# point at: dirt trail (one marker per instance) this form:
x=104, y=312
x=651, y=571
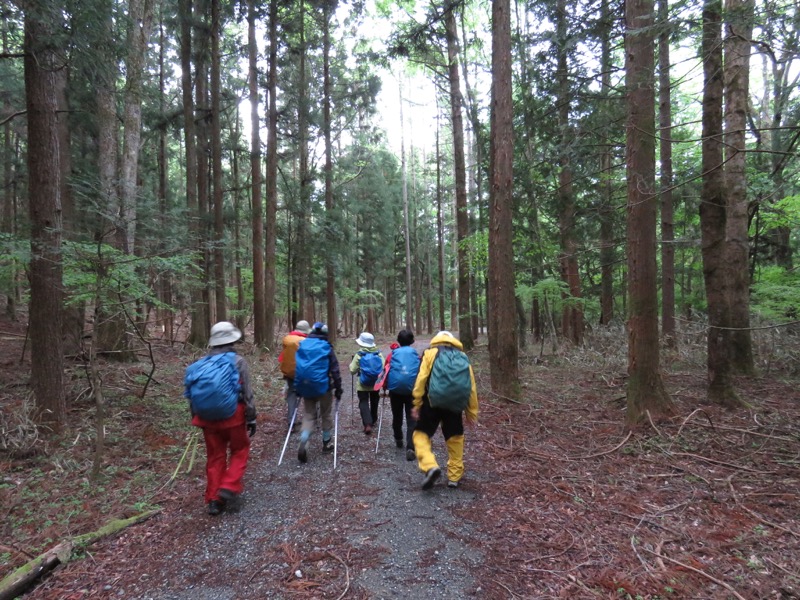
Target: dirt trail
x=365, y=530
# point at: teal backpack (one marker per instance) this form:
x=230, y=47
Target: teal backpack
x=450, y=384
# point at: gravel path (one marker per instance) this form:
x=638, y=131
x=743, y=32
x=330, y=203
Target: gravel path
x=365, y=530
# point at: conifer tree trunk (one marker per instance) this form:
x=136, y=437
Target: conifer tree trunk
x=270, y=232
x=330, y=284
x=216, y=165
x=164, y=283
x=572, y=315
x=260, y=336
x=440, y=229
x=667, y=210
x=503, y=350
x=198, y=334
x=607, y=253
x=739, y=15
x=43, y=58
x=713, y=212
x=462, y=218
x=302, y=268
x=646, y=392
x=406, y=231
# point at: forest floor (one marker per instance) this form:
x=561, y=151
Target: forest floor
x=559, y=499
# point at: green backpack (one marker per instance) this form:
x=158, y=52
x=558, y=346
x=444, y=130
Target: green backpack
x=450, y=384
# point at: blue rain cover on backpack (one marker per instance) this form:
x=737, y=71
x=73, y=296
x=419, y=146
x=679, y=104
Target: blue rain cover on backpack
x=311, y=368
x=370, y=366
x=403, y=370
x=212, y=385
x=450, y=384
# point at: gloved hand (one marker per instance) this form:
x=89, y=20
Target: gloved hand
x=251, y=428
x=338, y=395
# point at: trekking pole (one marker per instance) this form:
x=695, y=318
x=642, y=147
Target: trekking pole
x=380, y=421
x=352, y=397
x=335, y=434
x=286, y=443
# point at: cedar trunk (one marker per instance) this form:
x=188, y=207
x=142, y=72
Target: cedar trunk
x=41, y=62
x=712, y=211
x=503, y=350
x=646, y=393
x=462, y=217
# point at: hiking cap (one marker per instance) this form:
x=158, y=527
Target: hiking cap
x=445, y=332
x=224, y=333
x=303, y=327
x=366, y=340
x=320, y=327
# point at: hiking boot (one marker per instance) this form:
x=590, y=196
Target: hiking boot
x=227, y=496
x=430, y=478
x=368, y=429
x=215, y=507
x=452, y=484
x=398, y=442
x=302, y=453
x=410, y=454
x=327, y=446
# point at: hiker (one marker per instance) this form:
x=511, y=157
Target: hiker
x=316, y=375
x=402, y=366
x=444, y=389
x=368, y=364
x=287, y=361
x=221, y=402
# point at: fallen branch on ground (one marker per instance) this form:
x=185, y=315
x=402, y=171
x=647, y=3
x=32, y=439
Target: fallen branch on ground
x=21, y=579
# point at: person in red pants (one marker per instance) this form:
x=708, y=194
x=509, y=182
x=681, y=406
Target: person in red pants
x=228, y=440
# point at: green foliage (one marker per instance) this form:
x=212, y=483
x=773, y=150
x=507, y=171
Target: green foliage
x=784, y=213
x=776, y=295
x=551, y=292
x=101, y=271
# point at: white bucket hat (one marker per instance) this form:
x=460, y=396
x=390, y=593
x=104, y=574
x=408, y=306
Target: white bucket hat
x=366, y=340
x=223, y=333
x=303, y=327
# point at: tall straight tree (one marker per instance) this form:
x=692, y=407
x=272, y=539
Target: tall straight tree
x=712, y=211
x=572, y=316
x=216, y=164
x=646, y=393
x=140, y=24
x=462, y=216
x=502, y=322
x=43, y=59
x=330, y=284
x=198, y=334
x=260, y=336
x=607, y=253
x=665, y=155
x=739, y=15
x=271, y=191
x=406, y=231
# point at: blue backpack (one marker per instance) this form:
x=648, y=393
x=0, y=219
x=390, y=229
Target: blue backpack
x=370, y=366
x=450, y=381
x=311, y=368
x=212, y=386
x=403, y=369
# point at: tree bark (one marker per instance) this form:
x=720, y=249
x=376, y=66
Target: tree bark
x=646, y=392
x=667, y=209
x=220, y=297
x=607, y=252
x=713, y=212
x=330, y=284
x=199, y=309
x=503, y=350
x=572, y=315
x=42, y=60
x=736, y=76
x=462, y=217
x=270, y=232
x=260, y=336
